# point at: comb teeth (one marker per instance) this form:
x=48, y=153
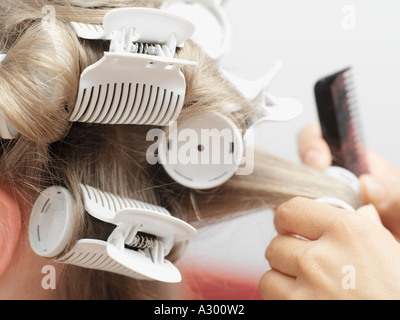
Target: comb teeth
x=339, y=117
x=357, y=151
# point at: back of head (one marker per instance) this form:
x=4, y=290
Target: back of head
x=39, y=80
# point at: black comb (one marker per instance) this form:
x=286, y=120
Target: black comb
x=338, y=116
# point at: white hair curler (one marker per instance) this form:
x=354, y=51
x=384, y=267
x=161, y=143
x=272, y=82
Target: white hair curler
x=213, y=29
x=335, y=202
x=346, y=177
x=139, y=81
x=202, y=152
x=266, y=106
x=143, y=235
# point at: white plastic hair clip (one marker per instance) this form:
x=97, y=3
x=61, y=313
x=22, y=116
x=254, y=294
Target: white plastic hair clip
x=267, y=107
x=202, y=152
x=143, y=235
x=138, y=81
x=213, y=30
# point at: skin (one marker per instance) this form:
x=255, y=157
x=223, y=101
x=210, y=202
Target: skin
x=337, y=239
x=381, y=187
x=21, y=270
x=340, y=255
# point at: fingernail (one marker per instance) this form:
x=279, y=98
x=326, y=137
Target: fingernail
x=375, y=192
x=317, y=159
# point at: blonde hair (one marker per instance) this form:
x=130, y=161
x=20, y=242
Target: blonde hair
x=39, y=81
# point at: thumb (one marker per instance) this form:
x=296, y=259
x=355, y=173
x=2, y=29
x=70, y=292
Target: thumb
x=373, y=192
x=313, y=149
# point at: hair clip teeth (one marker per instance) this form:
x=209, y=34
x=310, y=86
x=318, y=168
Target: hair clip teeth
x=149, y=25
x=89, y=31
x=120, y=90
x=143, y=236
x=139, y=81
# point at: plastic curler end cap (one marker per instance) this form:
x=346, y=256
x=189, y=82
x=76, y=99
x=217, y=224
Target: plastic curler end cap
x=51, y=223
x=203, y=152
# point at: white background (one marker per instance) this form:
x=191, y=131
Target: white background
x=312, y=40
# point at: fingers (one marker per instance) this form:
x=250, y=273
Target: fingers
x=275, y=285
x=313, y=149
x=373, y=191
x=381, y=187
x=370, y=213
x=284, y=253
x=304, y=217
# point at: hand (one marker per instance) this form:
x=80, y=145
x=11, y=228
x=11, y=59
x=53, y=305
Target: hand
x=381, y=187
x=347, y=255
